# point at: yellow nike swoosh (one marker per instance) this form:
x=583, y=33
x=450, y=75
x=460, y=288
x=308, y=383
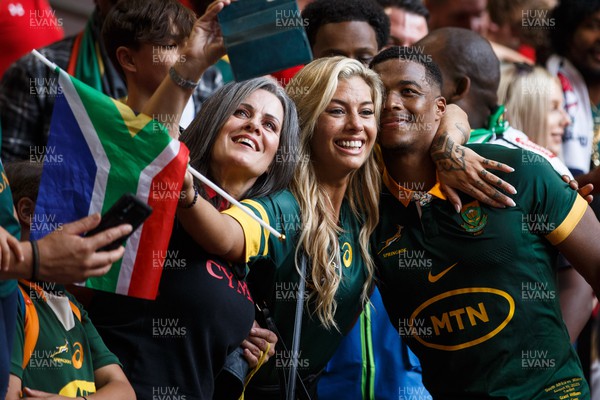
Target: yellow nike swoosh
x=435, y=278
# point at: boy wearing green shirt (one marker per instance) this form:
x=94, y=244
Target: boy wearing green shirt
x=56, y=348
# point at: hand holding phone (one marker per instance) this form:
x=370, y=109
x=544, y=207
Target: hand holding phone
x=127, y=210
x=251, y=26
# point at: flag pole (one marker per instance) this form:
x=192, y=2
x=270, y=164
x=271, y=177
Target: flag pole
x=43, y=59
x=230, y=199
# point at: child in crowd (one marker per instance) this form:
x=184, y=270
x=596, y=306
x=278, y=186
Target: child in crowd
x=56, y=348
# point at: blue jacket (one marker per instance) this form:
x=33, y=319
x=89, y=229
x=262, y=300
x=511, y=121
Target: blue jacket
x=372, y=362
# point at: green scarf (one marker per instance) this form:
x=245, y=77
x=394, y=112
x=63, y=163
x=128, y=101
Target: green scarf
x=89, y=67
x=496, y=125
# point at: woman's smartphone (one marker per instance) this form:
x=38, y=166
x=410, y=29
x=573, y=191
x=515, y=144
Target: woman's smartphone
x=127, y=210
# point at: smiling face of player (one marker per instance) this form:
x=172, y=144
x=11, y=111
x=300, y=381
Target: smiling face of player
x=412, y=107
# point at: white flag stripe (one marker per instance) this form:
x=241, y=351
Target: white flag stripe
x=128, y=262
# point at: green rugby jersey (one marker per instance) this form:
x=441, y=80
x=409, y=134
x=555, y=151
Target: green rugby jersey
x=317, y=344
x=52, y=357
x=474, y=293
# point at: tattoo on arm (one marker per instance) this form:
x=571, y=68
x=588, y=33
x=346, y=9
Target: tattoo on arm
x=447, y=154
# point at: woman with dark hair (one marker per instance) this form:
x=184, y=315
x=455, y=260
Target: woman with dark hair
x=178, y=343
x=204, y=138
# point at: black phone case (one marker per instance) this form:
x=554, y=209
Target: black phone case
x=127, y=210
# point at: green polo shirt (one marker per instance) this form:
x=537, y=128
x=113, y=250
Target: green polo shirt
x=474, y=293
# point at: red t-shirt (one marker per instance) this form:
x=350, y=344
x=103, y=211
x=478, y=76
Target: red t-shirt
x=26, y=25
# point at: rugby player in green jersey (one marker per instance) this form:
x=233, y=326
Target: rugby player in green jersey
x=473, y=293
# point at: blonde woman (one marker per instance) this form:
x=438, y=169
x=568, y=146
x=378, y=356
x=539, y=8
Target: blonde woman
x=534, y=103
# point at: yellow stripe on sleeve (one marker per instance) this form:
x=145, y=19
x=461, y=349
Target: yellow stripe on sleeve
x=253, y=232
x=265, y=217
x=569, y=223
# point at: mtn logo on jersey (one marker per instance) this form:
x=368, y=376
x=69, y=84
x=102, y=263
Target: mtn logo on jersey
x=474, y=218
x=464, y=318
